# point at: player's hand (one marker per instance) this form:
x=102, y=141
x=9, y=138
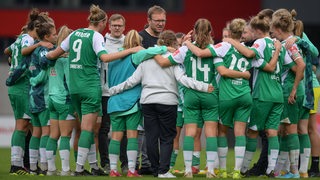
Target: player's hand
x=187, y=37
x=9, y=60
x=48, y=45
x=246, y=75
x=290, y=42
x=210, y=88
x=136, y=49
x=293, y=96
x=277, y=44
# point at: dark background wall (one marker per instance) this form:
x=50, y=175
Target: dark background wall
x=181, y=16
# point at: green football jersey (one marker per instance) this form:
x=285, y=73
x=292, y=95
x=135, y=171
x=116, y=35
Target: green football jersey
x=58, y=89
x=85, y=46
x=226, y=55
x=267, y=85
x=22, y=85
x=288, y=75
x=201, y=69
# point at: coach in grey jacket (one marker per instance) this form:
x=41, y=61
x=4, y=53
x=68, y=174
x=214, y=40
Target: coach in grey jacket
x=159, y=100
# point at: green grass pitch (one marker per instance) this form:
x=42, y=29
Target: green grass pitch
x=5, y=167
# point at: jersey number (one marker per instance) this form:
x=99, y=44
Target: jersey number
x=196, y=65
x=277, y=70
x=15, y=56
x=77, y=49
x=241, y=63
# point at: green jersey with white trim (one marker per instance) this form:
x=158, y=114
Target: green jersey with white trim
x=201, y=69
x=85, y=46
x=231, y=88
x=22, y=85
x=267, y=85
x=288, y=76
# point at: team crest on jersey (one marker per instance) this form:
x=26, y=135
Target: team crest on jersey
x=218, y=45
x=255, y=45
x=43, y=53
x=18, y=41
x=176, y=52
x=271, y=46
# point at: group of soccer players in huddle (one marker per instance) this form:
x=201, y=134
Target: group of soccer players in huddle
x=260, y=78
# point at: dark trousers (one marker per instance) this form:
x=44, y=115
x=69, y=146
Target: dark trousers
x=142, y=151
x=263, y=159
x=103, y=133
x=160, y=128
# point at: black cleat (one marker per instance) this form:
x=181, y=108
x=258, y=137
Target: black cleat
x=82, y=173
x=98, y=172
x=18, y=171
x=313, y=173
x=145, y=171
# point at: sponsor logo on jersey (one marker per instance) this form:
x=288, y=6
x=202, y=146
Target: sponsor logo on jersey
x=237, y=81
x=293, y=49
x=75, y=66
x=218, y=45
x=255, y=45
x=176, y=52
x=82, y=34
x=294, y=52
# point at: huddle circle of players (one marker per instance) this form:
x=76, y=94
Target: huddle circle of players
x=260, y=80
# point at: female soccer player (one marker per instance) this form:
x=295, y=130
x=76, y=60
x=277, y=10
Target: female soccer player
x=86, y=46
x=267, y=91
x=39, y=100
x=199, y=107
x=293, y=91
x=18, y=89
x=61, y=112
x=310, y=52
x=234, y=94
